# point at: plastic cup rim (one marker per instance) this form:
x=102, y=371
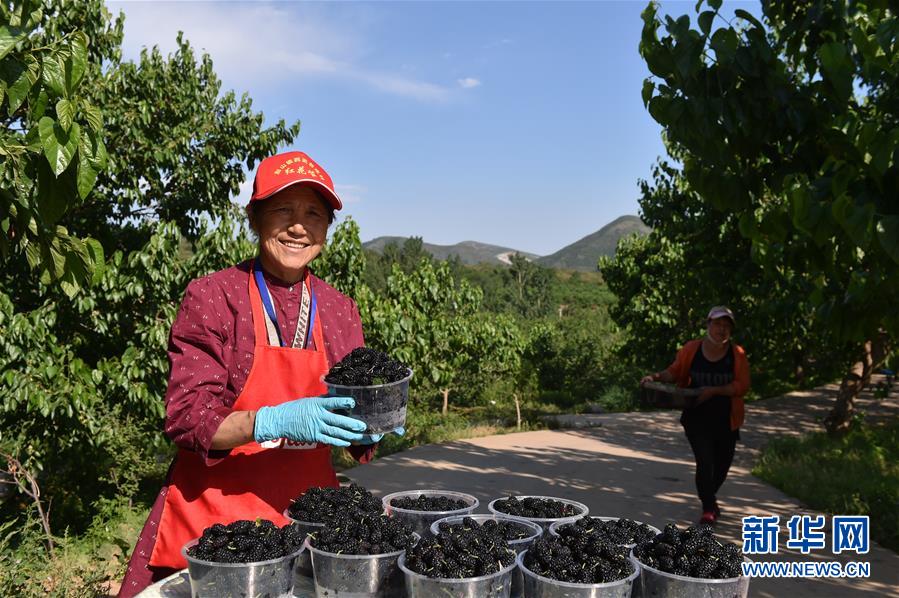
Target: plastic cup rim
x=554, y=528
x=494, y=517
x=701, y=580
x=402, y=565
x=519, y=560
x=550, y=520
x=372, y=386
x=357, y=557
x=292, y=520
x=195, y=541
x=385, y=502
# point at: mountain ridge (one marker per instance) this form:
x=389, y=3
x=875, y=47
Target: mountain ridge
x=583, y=254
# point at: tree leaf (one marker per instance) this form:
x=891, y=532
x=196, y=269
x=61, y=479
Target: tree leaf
x=54, y=194
x=837, y=67
x=9, y=37
x=76, y=61
x=59, y=145
x=725, y=43
x=705, y=21
x=747, y=16
x=648, y=88
x=65, y=112
x=87, y=173
x=20, y=77
x=94, y=116
x=855, y=220
x=53, y=73
x=95, y=250
x=38, y=103
x=888, y=236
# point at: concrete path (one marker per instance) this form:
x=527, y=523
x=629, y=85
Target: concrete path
x=639, y=465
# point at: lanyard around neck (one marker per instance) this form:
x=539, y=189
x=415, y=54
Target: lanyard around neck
x=270, y=308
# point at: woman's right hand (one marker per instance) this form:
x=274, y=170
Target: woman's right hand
x=309, y=420
x=645, y=379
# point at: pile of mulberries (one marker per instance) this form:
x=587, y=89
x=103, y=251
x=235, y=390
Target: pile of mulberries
x=429, y=503
x=693, y=552
x=247, y=541
x=616, y=531
x=536, y=508
x=321, y=505
x=366, y=367
x=461, y=552
x=509, y=530
x=367, y=533
x=578, y=557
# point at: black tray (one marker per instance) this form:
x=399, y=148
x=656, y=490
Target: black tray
x=668, y=396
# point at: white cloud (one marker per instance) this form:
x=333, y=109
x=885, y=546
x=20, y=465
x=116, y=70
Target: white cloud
x=350, y=193
x=258, y=44
x=497, y=43
x=468, y=82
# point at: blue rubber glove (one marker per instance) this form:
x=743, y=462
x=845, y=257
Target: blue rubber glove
x=373, y=438
x=309, y=420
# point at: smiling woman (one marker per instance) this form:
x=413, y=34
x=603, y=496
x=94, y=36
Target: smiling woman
x=247, y=351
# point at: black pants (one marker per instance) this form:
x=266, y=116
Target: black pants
x=714, y=454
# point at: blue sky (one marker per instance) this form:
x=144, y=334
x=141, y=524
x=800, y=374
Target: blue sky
x=513, y=123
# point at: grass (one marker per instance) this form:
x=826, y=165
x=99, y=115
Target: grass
x=856, y=474
x=91, y=564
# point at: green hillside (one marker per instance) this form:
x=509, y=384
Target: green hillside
x=580, y=255
x=585, y=253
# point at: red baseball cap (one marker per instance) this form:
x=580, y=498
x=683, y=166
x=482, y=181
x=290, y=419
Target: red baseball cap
x=280, y=171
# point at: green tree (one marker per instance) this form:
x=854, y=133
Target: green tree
x=83, y=375
x=694, y=258
x=792, y=130
x=51, y=145
x=342, y=263
x=429, y=320
x=530, y=285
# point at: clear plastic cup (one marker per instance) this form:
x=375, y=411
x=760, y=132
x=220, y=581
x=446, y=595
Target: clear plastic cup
x=518, y=546
x=421, y=520
x=381, y=406
x=495, y=585
x=537, y=586
x=209, y=579
x=542, y=522
x=554, y=528
x=356, y=575
x=304, y=562
x=656, y=583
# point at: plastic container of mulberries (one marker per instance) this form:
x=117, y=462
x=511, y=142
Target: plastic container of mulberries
x=304, y=563
x=356, y=575
x=661, y=584
x=519, y=545
x=583, y=511
x=262, y=578
x=537, y=586
x=381, y=406
x=495, y=585
x=554, y=528
x=421, y=520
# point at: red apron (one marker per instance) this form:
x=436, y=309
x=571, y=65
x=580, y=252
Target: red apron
x=254, y=480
